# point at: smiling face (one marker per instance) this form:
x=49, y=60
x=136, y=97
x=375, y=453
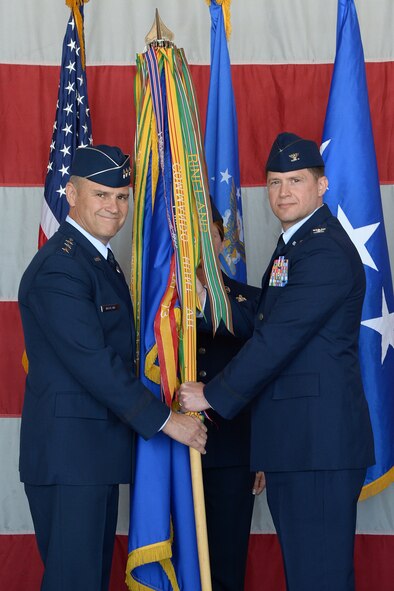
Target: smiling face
x=294, y=195
x=98, y=209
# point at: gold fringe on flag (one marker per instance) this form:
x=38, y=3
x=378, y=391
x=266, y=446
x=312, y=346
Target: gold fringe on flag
x=377, y=486
x=162, y=553
x=74, y=6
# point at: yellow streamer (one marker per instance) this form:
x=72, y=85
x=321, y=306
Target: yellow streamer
x=188, y=263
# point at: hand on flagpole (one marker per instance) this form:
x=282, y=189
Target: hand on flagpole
x=188, y=430
x=191, y=397
x=259, y=483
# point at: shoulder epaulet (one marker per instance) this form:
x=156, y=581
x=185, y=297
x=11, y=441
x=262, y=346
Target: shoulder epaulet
x=67, y=247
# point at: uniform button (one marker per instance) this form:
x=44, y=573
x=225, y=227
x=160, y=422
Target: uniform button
x=261, y=316
x=202, y=350
x=202, y=373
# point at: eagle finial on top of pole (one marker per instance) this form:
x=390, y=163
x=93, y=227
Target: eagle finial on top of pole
x=159, y=33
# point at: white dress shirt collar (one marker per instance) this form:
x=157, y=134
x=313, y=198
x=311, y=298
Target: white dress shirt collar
x=293, y=229
x=102, y=248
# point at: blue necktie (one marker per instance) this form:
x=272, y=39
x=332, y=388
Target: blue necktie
x=279, y=247
x=112, y=261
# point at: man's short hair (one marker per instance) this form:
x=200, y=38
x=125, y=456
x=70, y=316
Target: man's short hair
x=317, y=171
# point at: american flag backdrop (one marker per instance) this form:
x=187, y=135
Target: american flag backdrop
x=72, y=128
x=282, y=56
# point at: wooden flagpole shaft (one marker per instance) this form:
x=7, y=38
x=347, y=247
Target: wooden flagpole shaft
x=200, y=519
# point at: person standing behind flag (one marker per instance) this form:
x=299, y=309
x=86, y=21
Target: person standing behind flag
x=311, y=430
x=228, y=480
x=82, y=399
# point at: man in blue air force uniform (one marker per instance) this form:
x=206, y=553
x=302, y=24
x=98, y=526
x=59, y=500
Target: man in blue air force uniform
x=82, y=400
x=311, y=430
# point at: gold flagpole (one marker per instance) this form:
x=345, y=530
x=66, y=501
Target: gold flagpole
x=200, y=518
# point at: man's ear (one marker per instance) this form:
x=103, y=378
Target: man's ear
x=71, y=194
x=322, y=185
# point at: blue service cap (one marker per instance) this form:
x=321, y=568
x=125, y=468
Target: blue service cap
x=106, y=165
x=291, y=152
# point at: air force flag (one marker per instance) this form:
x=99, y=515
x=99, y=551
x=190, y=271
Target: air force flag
x=354, y=197
x=221, y=148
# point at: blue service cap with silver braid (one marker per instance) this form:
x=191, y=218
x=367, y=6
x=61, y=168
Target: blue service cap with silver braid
x=105, y=165
x=291, y=152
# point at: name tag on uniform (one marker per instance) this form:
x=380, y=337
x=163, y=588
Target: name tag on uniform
x=279, y=273
x=109, y=307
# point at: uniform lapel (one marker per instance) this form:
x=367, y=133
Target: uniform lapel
x=117, y=280
x=318, y=218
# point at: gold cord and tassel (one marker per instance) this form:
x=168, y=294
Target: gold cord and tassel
x=225, y=4
x=74, y=6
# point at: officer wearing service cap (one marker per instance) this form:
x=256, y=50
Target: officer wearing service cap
x=83, y=401
x=311, y=430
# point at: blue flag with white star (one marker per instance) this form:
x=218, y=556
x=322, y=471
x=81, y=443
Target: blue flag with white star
x=221, y=149
x=354, y=197
x=71, y=129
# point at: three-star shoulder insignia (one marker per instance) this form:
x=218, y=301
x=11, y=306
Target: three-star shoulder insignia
x=68, y=246
x=318, y=230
